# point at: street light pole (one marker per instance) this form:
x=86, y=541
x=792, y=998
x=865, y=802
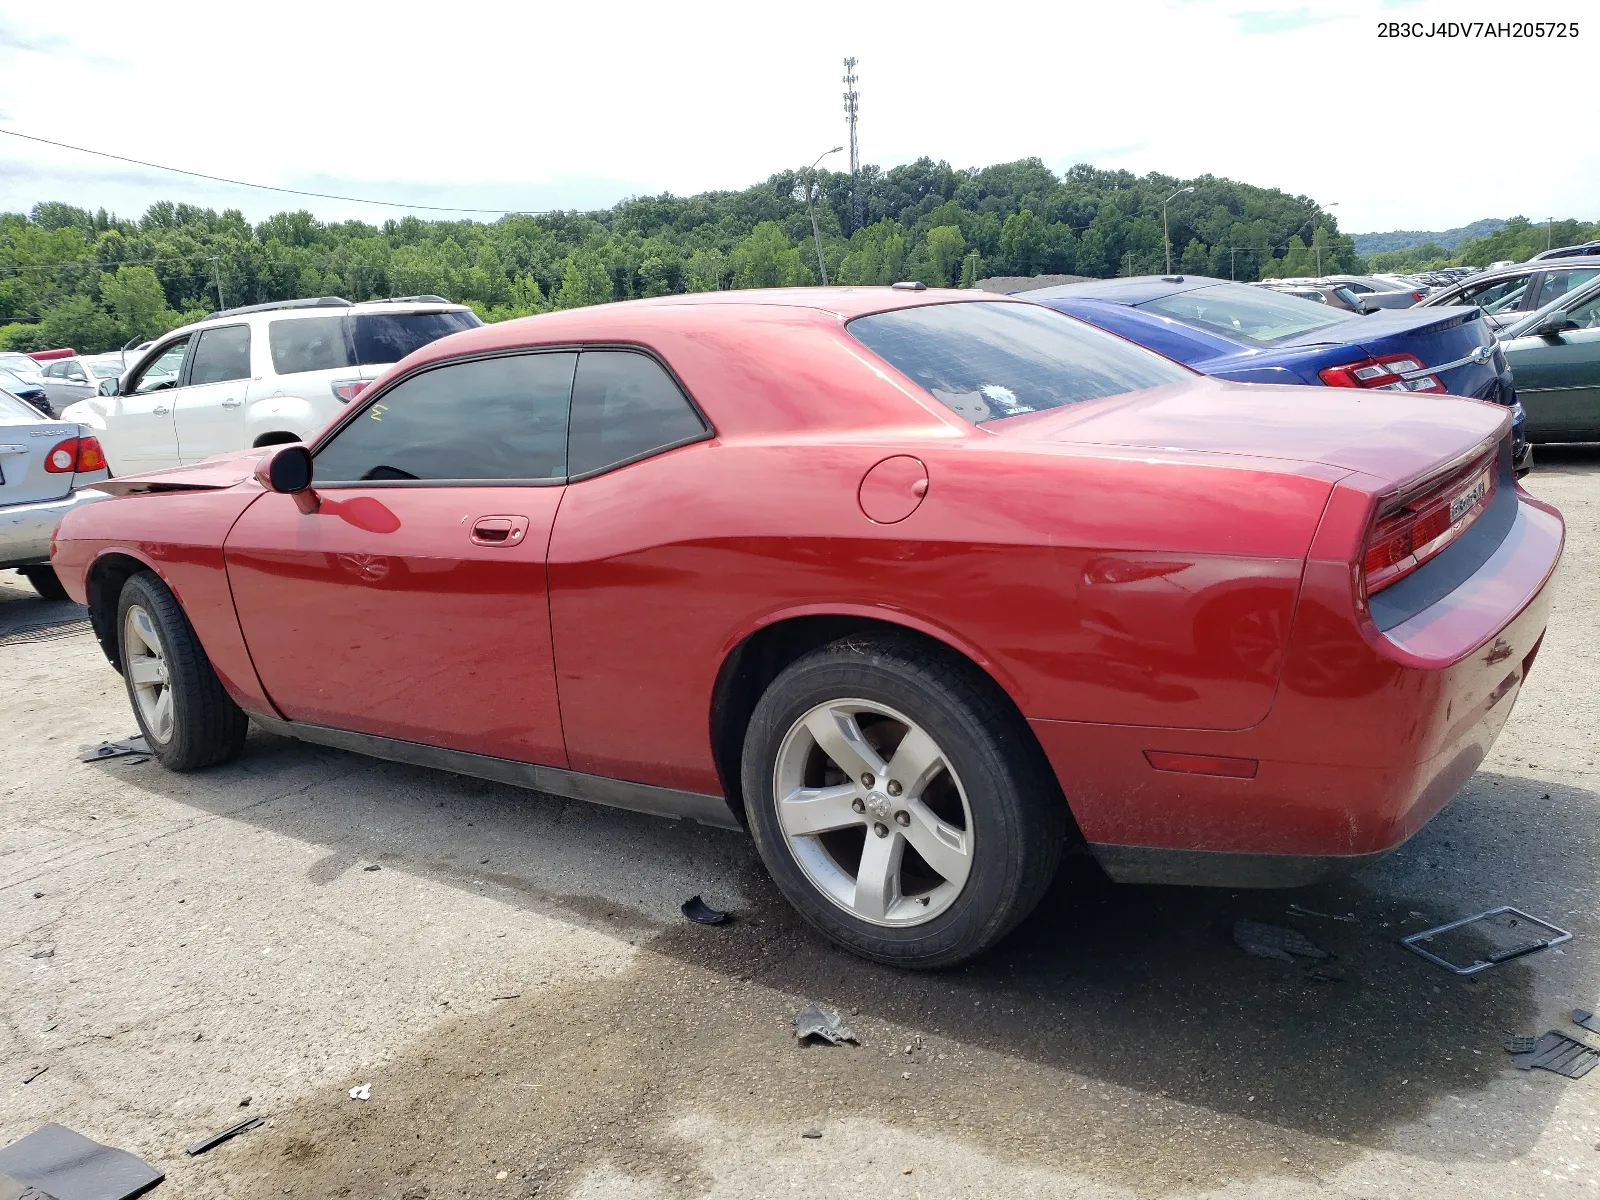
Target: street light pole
x=1165, y=236
x=816, y=233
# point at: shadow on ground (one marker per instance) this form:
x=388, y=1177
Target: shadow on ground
x=1118, y=1032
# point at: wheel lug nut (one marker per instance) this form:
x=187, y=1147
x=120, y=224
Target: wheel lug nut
x=867, y=779
x=880, y=829
x=859, y=804
x=894, y=787
x=902, y=817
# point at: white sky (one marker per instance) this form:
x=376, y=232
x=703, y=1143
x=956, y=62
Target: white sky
x=536, y=105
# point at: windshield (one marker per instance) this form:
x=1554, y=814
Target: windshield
x=988, y=360
x=1252, y=314
x=20, y=365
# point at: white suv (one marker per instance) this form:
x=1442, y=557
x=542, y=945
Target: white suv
x=255, y=376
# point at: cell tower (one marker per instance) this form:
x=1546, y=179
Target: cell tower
x=852, y=101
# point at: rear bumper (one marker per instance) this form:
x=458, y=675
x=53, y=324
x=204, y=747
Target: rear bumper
x=1370, y=736
x=25, y=529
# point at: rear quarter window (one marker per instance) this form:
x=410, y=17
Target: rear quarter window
x=309, y=344
x=990, y=360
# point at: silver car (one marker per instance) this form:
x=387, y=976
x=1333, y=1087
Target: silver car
x=44, y=465
x=68, y=380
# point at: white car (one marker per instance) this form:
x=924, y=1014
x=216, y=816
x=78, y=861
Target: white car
x=68, y=380
x=255, y=376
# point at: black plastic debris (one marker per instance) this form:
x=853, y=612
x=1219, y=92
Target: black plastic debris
x=699, y=911
x=68, y=1166
x=1325, y=974
x=814, y=1021
x=1274, y=941
x=33, y=1073
x=1553, y=1051
x=1485, y=940
x=1582, y=1016
x=126, y=748
x=216, y=1139
x=1296, y=910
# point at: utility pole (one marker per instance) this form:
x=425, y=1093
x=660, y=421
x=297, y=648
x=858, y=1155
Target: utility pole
x=216, y=273
x=1231, y=251
x=1164, y=236
x=1549, y=231
x=810, y=186
x=852, y=103
x=1128, y=258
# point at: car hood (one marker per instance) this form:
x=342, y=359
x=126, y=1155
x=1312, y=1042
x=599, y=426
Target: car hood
x=1389, y=435
x=219, y=471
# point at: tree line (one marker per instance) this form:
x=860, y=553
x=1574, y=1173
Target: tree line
x=94, y=281
x=1519, y=240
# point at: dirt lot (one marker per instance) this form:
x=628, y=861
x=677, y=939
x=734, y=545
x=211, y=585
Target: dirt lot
x=510, y=974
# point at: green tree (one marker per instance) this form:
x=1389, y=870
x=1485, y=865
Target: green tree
x=585, y=281
x=82, y=324
x=136, y=300
x=767, y=258
x=706, y=270
x=971, y=269
x=1196, y=259
x=946, y=248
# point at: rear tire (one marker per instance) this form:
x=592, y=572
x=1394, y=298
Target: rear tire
x=939, y=834
x=188, y=719
x=45, y=581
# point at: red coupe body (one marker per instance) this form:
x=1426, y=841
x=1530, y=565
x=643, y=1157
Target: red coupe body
x=1168, y=584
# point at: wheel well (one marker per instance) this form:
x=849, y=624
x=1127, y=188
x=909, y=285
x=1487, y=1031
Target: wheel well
x=106, y=577
x=278, y=438
x=760, y=658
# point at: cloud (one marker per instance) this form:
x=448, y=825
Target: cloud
x=1276, y=22
x=14, y=41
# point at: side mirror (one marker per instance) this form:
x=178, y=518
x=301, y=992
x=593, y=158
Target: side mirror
x=1555, y=323
x=287, y=470
x=110, y=387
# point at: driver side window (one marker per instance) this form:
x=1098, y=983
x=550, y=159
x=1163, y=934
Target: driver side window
x=164, y=372
x=490, y=418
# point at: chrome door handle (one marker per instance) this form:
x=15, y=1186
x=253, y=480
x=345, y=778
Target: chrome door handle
x=160, y=410
x=232, y=402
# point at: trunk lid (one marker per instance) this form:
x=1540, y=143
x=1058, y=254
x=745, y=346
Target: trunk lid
x=1389, y=435
x=24, y=444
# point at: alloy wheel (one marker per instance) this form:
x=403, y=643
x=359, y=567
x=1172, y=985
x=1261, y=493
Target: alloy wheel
x=145, y=660
x=873, y=812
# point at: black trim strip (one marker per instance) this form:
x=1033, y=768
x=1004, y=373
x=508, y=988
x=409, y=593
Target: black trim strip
x=596, y=789
x=1220, y=868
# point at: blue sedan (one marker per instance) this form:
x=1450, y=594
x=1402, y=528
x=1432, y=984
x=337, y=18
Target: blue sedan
x=1252, y=335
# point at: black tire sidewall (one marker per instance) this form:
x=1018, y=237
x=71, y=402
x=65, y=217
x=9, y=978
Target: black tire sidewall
x=981, y=914
x=207, y=727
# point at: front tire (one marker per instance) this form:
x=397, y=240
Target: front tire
x=900, y=804
x=188, y=719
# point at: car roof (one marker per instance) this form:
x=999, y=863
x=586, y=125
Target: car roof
x=638, y=320
x=1132, y=290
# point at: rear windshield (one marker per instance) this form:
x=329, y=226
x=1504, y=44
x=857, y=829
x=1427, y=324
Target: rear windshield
x=1253, y=314
x=364, y=339
x=12, y=409
x=986, y=361
x=104, y=370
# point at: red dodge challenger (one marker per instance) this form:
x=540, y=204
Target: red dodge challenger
x=916, y=586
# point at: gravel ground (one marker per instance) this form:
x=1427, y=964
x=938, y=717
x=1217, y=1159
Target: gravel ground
x=510, y=974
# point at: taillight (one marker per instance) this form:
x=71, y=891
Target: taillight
x=348, y=389
x=1386, y=373
x=75, y=454
x=1415, y=296
x=1410, y=533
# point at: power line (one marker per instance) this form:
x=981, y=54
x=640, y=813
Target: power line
x=267, y=187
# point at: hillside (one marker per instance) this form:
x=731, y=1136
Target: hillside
x=70, y=276
x=1405, y=239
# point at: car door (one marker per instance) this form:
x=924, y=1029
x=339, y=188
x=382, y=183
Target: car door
x=610, y=554
x=1558, y=377
x=412, y=603
x=141, y=431
x=209, y=407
